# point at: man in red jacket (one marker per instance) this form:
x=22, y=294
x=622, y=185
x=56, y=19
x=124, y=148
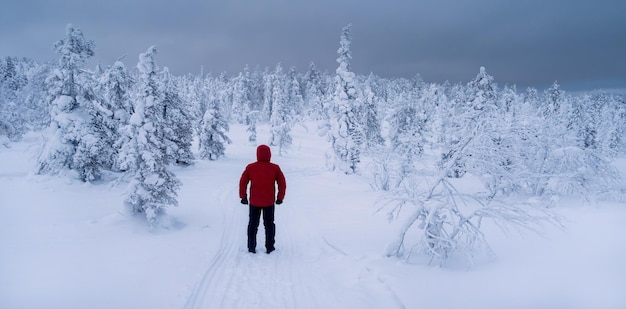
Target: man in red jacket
x=263, y=177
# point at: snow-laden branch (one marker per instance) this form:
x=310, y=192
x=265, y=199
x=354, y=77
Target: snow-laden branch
x=445, y=220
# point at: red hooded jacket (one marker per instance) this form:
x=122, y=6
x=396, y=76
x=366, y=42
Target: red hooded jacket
x=263, y=176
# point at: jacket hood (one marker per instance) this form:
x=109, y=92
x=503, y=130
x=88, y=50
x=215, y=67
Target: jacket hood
x=263, y=153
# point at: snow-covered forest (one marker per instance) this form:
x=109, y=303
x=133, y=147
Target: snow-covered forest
x=442, y=159
x=413, y=139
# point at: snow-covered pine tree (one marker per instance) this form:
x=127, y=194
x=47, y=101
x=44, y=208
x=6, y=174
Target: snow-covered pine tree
x=256, y=89
x=113, y=90
x=495, y=156
x=222, y=90
x=242, y=94
x=296, y=101
x=251, y=121
x=10, y=79
x=474, y=104
x=410, y=122
x=268, y=89
x=440, y=113
x=345, y=134
x=34, y=97
x=6, y=104
x=73, y=144
x=371, y=119
x=559, y=117
x=482, y=96
x=586, y=110
x=554, y=97
x=612, y=132
x=313, y=93
x=213, y=127
x=244, y=90
x=509, y=100
x=178, y=121
x=196, y=92
x=153, y=187
x=571, y=162
x=553, y=134
x=408, y=126
x=531, y=97
x=281, y=119
x=13, y=113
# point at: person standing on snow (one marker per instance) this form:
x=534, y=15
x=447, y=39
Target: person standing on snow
x=263, y=177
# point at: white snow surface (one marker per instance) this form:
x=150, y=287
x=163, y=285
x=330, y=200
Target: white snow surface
x=68, y=244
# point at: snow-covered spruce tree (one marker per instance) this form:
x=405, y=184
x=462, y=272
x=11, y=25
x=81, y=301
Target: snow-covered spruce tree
x=561, y=150
x=521, y=130
x=345, y=133
x=13, y=112
x=8, y=83
x=451, y=128
x=73, y=143
x=476, y=103
x=213, y=128
x=113, y=90
x=554, y=99
x=541, y=129
x=571, y=162
x=221, y=89
x=508, y=156
x=585, y=119
x=178, y=122
x=12, y=78
x=612, y=131
x=196, y=91
x=415, y=114
x=241, y=104
x=257, y=89
x=153, y=187
x=251, y=121
x=281, y=119
x=443, y=109
x=408, y=126
x=487, y=107
x=313, y=93
x=558, y=114
x=6, y=102
x=268, y=86
x=296, y=101
x=34, y=97
x=371, y=119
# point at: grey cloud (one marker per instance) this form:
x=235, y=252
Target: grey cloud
x=529, y=43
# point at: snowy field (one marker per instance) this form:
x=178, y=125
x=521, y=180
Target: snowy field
x=68, y=244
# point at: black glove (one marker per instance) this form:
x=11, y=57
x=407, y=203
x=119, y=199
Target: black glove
x=244, y=201
x=278, y=202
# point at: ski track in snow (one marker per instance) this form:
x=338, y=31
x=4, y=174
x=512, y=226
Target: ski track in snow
x=306, y=270
x=288, y=278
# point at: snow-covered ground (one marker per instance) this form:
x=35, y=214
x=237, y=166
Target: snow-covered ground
x=68, y=244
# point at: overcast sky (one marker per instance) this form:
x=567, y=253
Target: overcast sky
x=579, y=43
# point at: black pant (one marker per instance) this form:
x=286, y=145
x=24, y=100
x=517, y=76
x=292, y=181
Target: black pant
x=268, y=222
